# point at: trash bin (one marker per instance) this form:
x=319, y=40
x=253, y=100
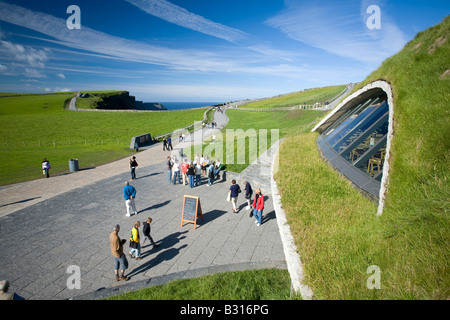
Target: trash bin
x=73, y=165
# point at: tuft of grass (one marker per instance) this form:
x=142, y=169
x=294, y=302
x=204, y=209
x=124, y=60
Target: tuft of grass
x=264, y=284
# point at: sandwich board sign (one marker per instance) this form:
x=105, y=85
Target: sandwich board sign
x=191, y=210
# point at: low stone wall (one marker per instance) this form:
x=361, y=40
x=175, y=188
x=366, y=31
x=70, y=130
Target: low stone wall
x=142, y=140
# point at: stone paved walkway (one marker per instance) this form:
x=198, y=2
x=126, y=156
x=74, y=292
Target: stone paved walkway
x=48, y=225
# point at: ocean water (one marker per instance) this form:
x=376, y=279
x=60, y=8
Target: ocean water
x=187, y=105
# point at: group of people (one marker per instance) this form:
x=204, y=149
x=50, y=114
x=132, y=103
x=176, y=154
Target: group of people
x=256, y=207
x=191, y=172
x=120, y=259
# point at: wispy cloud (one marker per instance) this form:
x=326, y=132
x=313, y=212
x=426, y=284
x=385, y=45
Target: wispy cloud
x=107, y=45
x=177, y=15
x=339, y=27
x=172, y=13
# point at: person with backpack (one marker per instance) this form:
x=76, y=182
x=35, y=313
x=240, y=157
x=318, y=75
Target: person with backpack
x=46, y=167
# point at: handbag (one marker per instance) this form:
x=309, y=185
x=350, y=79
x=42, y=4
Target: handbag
x=229, y=197
x=133, y=244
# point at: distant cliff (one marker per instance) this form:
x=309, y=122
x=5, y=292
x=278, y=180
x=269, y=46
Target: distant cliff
x=116, y=100
x=139, y=105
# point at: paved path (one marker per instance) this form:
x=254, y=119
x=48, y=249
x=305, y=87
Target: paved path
x=48, y=225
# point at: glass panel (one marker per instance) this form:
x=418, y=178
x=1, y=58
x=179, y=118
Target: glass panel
x=371, y=140
x=374, y=165
x=347, y=118
x=353, y=132
x=347, y=125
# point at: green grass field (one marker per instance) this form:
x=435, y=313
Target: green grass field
x=37, y=126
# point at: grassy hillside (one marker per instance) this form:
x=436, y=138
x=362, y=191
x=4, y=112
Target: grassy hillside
x=307, y=97
x=37, y=126
x=336, y=228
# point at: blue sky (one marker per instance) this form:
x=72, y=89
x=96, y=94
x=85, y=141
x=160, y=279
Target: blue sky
x=198, y=50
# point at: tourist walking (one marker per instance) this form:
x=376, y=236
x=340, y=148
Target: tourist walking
x=190, y=172
x=198, y=174
x=184, y=168
x=217, y=167
x=248, y=194
x=234, y=192
x=133, y=165
x=129, y=193
x=46, y=167
x=169, y=144
x=169, y=168
x=120, y=260
x=176, y=172
x=210, y=174
x=146, y=231
x=205, y=164
x=135, y=245
x=258, y=206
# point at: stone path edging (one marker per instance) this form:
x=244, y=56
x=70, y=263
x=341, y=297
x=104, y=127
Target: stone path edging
x=293, y=261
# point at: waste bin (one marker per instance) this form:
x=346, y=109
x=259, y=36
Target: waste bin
x=73, y=165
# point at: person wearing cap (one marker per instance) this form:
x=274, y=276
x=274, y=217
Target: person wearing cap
x=129, y=193
x=5, y=295
x=120, y=260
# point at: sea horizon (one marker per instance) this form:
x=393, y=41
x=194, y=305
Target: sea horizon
x=187, y=105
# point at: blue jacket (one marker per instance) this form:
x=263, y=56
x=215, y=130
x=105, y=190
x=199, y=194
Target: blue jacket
x=129, y=191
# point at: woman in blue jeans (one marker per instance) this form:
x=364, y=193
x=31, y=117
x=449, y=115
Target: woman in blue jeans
x=191, y=175
x=258, y=205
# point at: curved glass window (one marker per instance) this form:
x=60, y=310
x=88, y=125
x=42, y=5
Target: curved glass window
x=356, y=141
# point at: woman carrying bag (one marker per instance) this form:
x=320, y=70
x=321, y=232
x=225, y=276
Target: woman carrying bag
x=258, y=206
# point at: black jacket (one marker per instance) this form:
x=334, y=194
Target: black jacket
x=146, y=228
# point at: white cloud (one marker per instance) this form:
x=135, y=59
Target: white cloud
x=34, y=73
x=174, y=14
x=35, y=58
x=339, y=27
x=61, y=76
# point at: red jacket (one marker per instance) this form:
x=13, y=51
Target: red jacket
x=258, y=204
